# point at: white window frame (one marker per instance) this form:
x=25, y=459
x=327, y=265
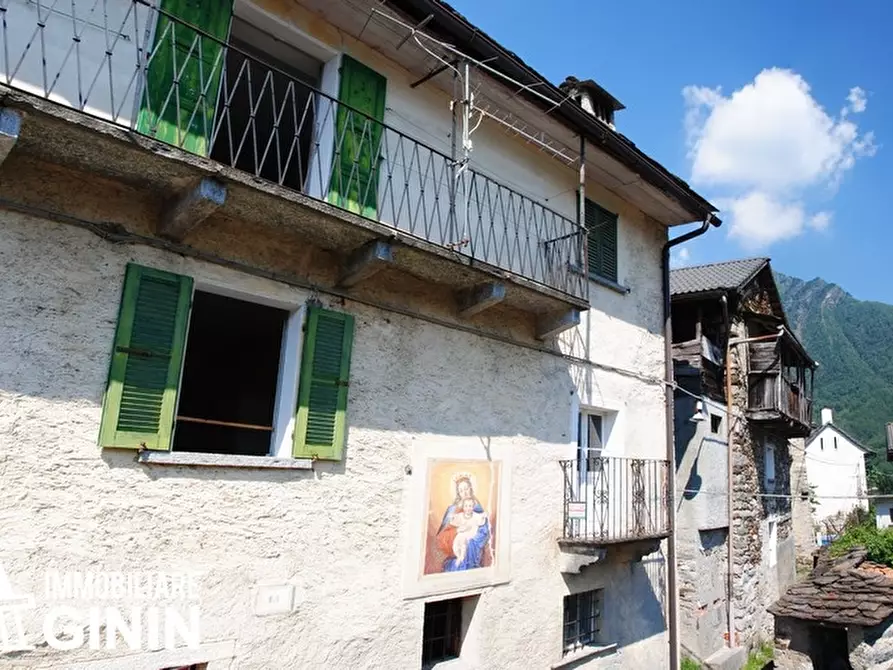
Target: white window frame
x=330, y=82
x=289, y=376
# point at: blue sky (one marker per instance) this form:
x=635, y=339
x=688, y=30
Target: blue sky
x=801, y=172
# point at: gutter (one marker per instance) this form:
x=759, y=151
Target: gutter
x=464, y=35
x=672, y=589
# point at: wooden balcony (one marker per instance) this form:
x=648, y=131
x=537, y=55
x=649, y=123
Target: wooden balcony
x=779, y=388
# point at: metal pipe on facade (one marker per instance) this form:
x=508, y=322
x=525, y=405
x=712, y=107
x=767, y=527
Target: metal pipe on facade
x=728, y=373
x=673, y=596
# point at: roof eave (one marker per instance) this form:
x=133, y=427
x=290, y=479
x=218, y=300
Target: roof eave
x=481, y=46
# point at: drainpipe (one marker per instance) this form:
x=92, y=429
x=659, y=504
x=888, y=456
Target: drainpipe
x=673, y=604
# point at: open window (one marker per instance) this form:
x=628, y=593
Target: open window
x=196, y=371
x=228, y=392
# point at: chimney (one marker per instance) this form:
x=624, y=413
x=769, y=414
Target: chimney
x=827, y=416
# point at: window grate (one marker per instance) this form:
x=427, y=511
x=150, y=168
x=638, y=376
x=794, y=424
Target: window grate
x=442, y=635
x=582, y=620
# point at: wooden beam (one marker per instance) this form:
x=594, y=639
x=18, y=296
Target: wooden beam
x=10, y=129
x=365, y=262
x=188, y=210
x=550, y=325
x=476, y=299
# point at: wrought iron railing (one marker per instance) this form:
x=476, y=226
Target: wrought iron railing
x=207, y=91
x=610, y=500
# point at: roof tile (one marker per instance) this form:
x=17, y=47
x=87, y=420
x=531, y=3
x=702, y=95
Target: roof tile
x=714, y=276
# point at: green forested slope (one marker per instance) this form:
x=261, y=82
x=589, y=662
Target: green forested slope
x=853, y=342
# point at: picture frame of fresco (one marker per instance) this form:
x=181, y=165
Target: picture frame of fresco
x=458, y=509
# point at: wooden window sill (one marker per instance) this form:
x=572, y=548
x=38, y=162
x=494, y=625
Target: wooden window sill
x=582, y=654
x=223, y=460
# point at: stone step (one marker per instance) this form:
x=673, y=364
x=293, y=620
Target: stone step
x=727, y=659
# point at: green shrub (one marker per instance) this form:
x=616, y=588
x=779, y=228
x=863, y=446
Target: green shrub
x=877, y=543
x=760, y=657
x=690, y=664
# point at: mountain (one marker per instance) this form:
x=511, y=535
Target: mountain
x=853, y=342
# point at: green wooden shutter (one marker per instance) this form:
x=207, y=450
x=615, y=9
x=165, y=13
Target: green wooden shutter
x=601, y=226
x=322, y=397
x=183, y=77
x=356, y=164
x=140, y=400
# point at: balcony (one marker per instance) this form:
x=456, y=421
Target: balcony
x=613, y=501
x=779, y=387
x=185, y=106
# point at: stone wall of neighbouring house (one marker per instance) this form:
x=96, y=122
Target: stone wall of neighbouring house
x=702, y=524
x=758, y=580
x=802, y=517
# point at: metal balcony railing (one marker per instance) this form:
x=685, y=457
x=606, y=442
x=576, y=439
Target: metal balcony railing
x=137, y=66
x=611, y=500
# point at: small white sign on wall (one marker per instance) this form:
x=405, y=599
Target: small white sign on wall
x=274, y=599
x=576, y=510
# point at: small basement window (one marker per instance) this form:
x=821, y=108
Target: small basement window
x=582, y=620
x=228, y=393
x=442, y=632
x=715, y=423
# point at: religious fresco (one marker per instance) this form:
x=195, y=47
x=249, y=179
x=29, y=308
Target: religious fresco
x=462, y=505
x=458, y=511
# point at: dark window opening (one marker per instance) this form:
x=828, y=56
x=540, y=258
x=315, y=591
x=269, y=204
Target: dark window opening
x=835, y=442
x=194, y=666
x=228, y=391
x=582, y=620
x=265, y=113
x=828, y=648
x=715, y=423
x=442, y=631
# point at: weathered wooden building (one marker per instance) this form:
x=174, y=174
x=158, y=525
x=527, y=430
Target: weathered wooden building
x=746, y=392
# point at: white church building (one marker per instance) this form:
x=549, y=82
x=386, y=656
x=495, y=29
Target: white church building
x=835, y=470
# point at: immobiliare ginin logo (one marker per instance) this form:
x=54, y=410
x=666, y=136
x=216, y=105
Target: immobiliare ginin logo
x=85, y=610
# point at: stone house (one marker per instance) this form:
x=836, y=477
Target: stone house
x=840, y=618
x=744, y=393
x=333, y=337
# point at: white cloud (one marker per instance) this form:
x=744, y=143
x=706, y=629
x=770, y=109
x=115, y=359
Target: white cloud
x=766, y=146
x=758, y=219
x=820, y=221
x=681, y=258
x=858, y=101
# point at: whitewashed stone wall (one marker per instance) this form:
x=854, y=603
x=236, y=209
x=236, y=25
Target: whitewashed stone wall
x=67, y=505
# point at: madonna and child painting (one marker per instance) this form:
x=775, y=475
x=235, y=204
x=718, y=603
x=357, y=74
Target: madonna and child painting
x=462, y=499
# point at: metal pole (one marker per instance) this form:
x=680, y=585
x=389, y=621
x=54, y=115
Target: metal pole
x=453, y=235
x=672, y=594
x=581, y=207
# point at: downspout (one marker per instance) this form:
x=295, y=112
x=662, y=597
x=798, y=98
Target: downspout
x=673, y=597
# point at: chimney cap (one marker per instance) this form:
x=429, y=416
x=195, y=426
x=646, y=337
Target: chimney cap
x=595, y=91
x=827, y=416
